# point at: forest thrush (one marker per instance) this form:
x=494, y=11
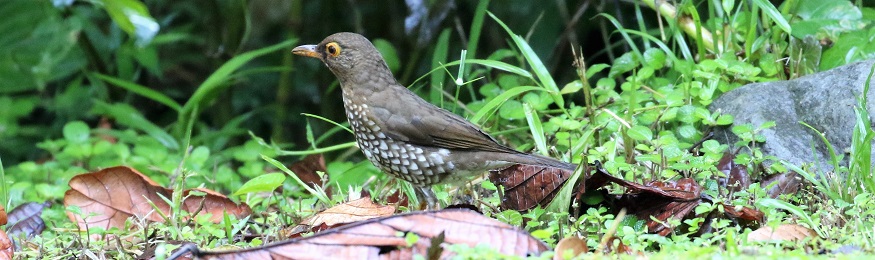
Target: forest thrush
x=402, y=134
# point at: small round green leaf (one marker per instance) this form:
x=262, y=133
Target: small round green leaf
x=512, y=109
x=266, y=182
x=76, y=132
x=640, y=133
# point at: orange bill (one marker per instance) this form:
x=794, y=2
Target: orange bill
x=306, y=50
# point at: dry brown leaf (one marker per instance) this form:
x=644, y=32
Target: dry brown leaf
x=25, y=221
x=574, y=244
x=2, y=215
x=784, y=232
x=744, y=213
x=737, y=178
x=784, y=183
x=118, y=193
x=659, y=200
x=353, y=211
x=6, y=249
x=384, y=238
x=306, y=169
x=526, y=186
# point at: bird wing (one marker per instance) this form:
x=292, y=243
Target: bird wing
x=430, y=125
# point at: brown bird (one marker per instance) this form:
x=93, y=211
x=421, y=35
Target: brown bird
x=402, y=134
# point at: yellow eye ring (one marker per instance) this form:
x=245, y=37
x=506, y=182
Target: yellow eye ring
x=333, y=49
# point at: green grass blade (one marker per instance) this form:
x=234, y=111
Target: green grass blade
x=534, y=61
x=669, y=53
x=773, y=14
x=833, y=157
x=317, y=150
x=536, y=128
x=779, y=204
x=320, y=194
x=820, y=186
x=496, y=102
x=488, y=63
x=141, y=90
x=625, y=35
x=476, y=27
x=562, y=202
x=217, y=80
x=129, y=116
x=328, y=121
x=439, y=57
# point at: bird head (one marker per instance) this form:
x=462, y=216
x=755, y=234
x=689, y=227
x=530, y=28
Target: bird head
x=350, y=56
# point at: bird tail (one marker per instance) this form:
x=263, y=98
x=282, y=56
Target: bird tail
x=534, y=159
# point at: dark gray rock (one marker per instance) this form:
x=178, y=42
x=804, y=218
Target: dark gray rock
x=823, y=100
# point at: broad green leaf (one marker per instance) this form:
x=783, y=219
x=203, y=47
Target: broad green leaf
x=133, y=17
x=571, y=87
x=494, y=104
x=264, y=183
x=640, y=133
x=76, y=132
x=596, y=68
x=390, y=55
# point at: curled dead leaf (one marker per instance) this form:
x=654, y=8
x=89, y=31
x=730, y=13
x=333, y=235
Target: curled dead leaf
x=107, y=198
x=25, y=222
x=737, y=177
x=782, y=183
x=387, y=237
x=526, y=186
x=353, y=211
x=783, y=232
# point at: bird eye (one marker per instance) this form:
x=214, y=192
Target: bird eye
x=333, y=49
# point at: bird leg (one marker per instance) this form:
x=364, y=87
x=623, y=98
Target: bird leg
x=427, y=195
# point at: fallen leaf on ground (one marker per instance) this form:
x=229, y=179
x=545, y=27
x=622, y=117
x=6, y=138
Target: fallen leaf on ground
x=526, y=186
x=353, y=211
x=744, y=213
x=658, y=201
x=115, y=194
x=306, y=170
x=737, y=177
x=784, y=232
x=25, y=221
x=569, y=248
x=388, y=237
x=782, y=183
x=6, y=249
